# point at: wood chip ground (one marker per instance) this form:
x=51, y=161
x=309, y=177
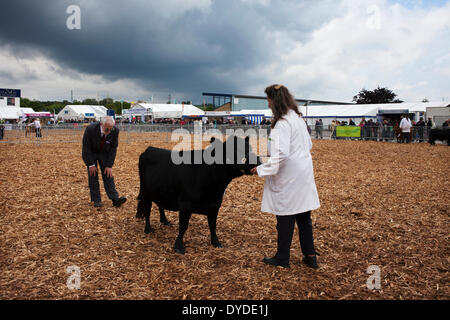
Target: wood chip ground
x=382, y=204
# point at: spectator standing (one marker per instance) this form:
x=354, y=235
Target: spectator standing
x=318, y=128
x=385, y=135
x=420, y=125
x=321, y=128
x=37, y=126
x=333, y=129
x=430, y=125
x=362, y=125
x=405, y=126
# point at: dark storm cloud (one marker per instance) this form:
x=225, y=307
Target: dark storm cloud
x=164, y=45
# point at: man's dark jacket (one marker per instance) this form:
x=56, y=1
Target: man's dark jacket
x=92, y=146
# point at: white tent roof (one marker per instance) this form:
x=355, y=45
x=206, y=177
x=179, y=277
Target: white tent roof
x=80, y=111
x=349, y=111
x=365, y=110
x=27, y=110
x=166, y=110
x=265, y=113
x=10, y=113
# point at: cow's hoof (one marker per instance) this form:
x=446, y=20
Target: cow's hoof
x=148, y=230
x=166, y=223
x=217, y=244
x=179, y=250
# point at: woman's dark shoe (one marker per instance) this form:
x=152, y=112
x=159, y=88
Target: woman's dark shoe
x=311, y=261
x=274, y=262
x=98, y=205
x=118, y=202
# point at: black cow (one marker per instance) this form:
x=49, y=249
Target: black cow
x=190, y=187
x=439, y=134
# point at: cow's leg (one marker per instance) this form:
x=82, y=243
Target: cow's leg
x=184, y=217
x=145, y=208
x=212, y=219
x=162, y=217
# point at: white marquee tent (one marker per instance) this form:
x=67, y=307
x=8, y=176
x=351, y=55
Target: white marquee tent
x=16, y=113
x=78, y=112
x=158, y=111
x=10, y=113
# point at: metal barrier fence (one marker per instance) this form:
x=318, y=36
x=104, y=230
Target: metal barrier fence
x=73, y=133
x=144, y=132
x=47, y=134
x=374, y=133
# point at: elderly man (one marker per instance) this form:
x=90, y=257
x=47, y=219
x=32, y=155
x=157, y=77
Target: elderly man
x=100, y=141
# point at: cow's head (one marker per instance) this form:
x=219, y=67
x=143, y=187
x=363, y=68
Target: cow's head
x=238, y=155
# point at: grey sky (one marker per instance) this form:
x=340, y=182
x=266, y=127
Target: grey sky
x=134, y=49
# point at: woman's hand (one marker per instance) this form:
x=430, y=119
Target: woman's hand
x=254, y=171
x=108, y=172
x=92, y=171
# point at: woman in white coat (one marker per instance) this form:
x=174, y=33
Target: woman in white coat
x=289, y=190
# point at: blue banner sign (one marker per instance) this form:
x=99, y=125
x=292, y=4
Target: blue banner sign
x=10, y=93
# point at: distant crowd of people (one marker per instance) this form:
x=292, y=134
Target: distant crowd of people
x=405, y=130
x=190, y=121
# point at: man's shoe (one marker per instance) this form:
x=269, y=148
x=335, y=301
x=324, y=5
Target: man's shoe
x=311, y=261
x=274, y=262
x=118, y=202
x=98, y=205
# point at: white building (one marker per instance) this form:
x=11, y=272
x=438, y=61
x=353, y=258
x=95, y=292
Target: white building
x=369, y=111
x=81, y=112
x=439, y=114
x=10, y=98
x=356, y=112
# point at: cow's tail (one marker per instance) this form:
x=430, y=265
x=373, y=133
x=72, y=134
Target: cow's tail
x=140, y=208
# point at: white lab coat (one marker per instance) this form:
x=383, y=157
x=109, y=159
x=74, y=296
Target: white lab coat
x=289, y=186
x=405, y=125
